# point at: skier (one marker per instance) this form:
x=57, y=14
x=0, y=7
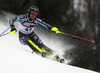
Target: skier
x=26, y=27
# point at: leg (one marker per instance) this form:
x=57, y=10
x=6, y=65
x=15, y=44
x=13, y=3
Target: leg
x=36, y=39
x=24, y=40
x=40, y=44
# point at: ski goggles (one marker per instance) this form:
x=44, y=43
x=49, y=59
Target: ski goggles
x=33, y=13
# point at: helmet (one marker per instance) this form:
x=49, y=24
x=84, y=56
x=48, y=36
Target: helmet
x=33, y=8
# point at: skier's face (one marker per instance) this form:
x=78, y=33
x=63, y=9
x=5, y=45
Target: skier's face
x=33, y=14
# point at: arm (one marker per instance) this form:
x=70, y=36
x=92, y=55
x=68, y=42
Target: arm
x=16, y=18
x=43, y=24
x=13, y=20
x=47, y=26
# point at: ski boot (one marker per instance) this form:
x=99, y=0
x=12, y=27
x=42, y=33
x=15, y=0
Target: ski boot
x=57, y=58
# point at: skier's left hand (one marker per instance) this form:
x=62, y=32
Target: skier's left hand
x=55, y=29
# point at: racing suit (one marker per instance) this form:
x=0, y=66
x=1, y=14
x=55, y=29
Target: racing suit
x=26, y=28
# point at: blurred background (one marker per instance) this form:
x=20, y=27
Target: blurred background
x=76, y=17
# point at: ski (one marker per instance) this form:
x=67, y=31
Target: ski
x=44, y=52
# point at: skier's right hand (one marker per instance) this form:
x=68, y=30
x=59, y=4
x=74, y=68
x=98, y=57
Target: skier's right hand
x=13, y=30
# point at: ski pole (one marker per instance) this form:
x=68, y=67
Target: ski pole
x=76, y=36
x=4, y=34
x=4, y=31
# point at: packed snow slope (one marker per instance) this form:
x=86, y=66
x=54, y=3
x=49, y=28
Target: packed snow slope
x=17, y=58
x=14, y=60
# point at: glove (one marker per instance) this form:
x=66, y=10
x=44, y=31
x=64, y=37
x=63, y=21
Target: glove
x=55, y=29
x=13, y=29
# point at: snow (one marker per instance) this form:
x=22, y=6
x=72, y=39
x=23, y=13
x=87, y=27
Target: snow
x=17, y=58
x=14, y=60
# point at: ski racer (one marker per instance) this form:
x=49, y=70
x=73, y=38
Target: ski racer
x=26, y=27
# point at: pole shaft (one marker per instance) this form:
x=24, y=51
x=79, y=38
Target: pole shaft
x=81, y=38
